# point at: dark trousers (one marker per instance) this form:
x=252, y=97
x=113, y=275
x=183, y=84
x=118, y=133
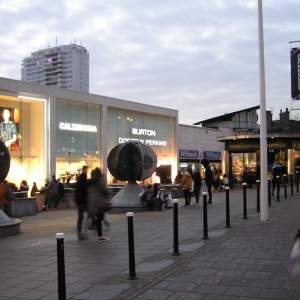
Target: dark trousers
x=275, y=185
x=186, y=194
x=52, y=199
x=99, y=224
x=81, y=208
x=209, y=186
x=197, y=193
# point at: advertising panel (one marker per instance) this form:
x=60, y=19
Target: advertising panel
x=9, y=127
x=295, y=73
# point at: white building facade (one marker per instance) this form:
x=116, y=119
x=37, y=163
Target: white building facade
x=59, y=131
x=65, y=66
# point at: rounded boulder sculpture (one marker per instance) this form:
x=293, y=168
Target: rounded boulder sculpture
x=132, y=161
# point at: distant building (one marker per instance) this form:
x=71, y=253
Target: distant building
x=65, y=66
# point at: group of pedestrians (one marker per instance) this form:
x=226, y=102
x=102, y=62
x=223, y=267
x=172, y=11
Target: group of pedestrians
x=191, y=182
x=87, y=195
x=53, y=191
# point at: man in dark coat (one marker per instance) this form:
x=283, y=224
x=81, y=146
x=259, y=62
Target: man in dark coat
x=208, y=178
x=80, y=198
x=276, y=174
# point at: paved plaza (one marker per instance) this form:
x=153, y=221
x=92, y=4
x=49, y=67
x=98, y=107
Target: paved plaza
x=247, y=261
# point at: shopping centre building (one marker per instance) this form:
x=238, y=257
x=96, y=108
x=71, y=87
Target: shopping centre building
x=58, y=131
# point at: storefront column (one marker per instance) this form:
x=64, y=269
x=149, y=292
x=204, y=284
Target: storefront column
x=225, y=163
x=290, y=161
x=103, y=141
x=51, y=138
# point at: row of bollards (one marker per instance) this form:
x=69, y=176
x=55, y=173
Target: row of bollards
x=131, y=251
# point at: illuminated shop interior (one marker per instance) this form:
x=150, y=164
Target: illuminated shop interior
x=27, y=153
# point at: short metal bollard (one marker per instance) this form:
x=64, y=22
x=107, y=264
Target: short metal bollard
x=205, y=230
x=257, y=196
x=278, y=188
x=285, y=185
x=61, y=278
x=269, y=192
x=132, y=274
x=175, y=229
x=245, y=200
x=292, y=184
x=227, y=188
x=297, y=181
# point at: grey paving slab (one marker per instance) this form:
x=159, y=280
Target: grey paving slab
x=246, y=261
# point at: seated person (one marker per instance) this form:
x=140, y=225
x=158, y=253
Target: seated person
x=159, y=197
x=24, y=187
x=146, y=195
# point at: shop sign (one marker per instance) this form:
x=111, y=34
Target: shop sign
x=77, y=127
x=143, y=132
x=188, y=154
x=212, y=154
x=144, y=142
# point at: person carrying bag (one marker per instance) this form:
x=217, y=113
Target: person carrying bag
x=98, y=201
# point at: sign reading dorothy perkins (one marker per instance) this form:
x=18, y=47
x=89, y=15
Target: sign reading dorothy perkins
x=188, y=154
x=212, y=154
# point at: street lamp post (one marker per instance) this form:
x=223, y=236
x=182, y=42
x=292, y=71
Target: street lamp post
x=263, y=121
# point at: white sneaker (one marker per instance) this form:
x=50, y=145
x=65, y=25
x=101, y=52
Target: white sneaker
x=103, y=239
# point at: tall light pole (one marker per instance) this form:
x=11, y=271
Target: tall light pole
x=263, y=121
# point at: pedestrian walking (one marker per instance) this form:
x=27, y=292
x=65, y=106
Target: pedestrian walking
x=208, y=177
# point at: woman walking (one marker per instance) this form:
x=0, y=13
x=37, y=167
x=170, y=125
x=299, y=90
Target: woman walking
x=96, y=190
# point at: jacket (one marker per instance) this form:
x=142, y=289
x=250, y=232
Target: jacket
x=53, y=187
x=95, y=190
x=208, y=176
x=80, y=189
x=197, y=180
x=276, y=171
x=186, y=182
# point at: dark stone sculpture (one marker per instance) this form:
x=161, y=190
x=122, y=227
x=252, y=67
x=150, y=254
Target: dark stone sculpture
x=132, y=161
x=4, y=161
x=8, y=226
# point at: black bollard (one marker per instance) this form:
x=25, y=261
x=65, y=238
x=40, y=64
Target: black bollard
x=285, y=185
x=297, y=181
x=227, y=188
x=245, y=200
x=278, y=188
x=61, y=278
x=257, y=196
x=175, y=229
x=269, y=191
x=292, y=184
x=205, y=230
x=132, y=274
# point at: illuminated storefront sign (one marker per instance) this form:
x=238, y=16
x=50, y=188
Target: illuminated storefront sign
x=77, y=127
x=148, y=132
x=143, y=132
x=145, y=142
x=188, y=154
x=212, y=154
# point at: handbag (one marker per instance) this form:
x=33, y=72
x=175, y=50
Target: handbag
x=105, y=203
x=192, y=188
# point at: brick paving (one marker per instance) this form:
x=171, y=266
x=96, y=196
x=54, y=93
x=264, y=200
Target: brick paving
x=247, y=261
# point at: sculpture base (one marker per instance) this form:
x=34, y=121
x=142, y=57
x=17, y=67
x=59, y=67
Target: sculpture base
x=9, y=227
x=128, y=199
